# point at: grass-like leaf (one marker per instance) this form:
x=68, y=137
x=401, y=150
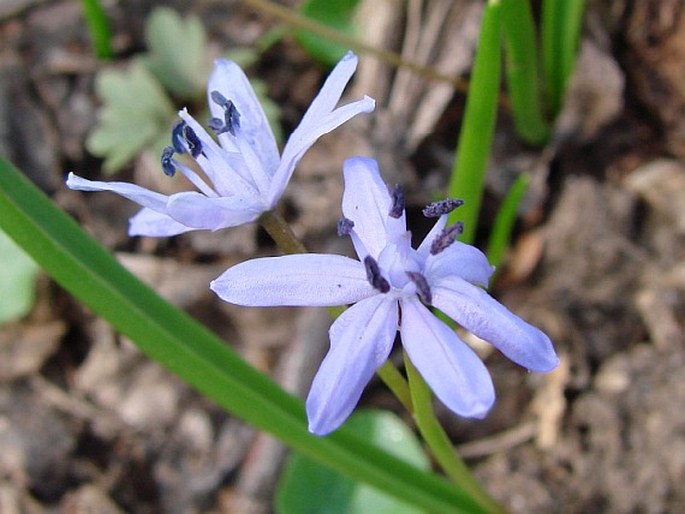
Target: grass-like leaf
x=475, y=137
x=500, y=236
x=523, y=79
x=189, y=350
x=98, y=27
x=562, y=21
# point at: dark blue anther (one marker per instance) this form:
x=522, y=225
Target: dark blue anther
x=422, y=287
x=177, y=137
x=218, y=98
x=231, y=117
x=193, y=142
x=397, y=207
x=168, y=165
x=437, y=209
x=345, y=226
x=373, y=275
x=217, y=125
x=446, y=237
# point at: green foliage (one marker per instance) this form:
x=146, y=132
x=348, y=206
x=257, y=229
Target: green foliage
x=17, y=280
x=306, y=487
x=98, y=26
x=177, y=52
x=505, y=219
x=337, y=14
x=136, y=112
x=477, y=127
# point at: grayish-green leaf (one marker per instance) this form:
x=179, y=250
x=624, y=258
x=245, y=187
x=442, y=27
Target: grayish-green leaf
x=135, y=112
x=177, y=52
x=17, y=280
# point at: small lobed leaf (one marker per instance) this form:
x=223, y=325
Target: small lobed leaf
x=17, y=280
x=177, y=52
x=135, y=112
x=337, y=14
x=309, y=488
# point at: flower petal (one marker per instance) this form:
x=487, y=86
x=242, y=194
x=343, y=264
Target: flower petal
x=366, y=201
x=320, y=118
x=481, y=314
x=303, y=279
x=361, y=340
x=452, y=370
x=461, y=260
x=140, y=195
x=201, y=212
x=154, y=224
x=229, y=80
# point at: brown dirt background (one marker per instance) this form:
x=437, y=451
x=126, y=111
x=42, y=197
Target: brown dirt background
x=87, y=424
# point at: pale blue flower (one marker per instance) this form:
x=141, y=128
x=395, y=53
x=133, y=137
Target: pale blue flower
x=243, y=174
x=391, y=287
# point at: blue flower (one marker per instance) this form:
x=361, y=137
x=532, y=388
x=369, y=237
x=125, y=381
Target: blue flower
x=243, y=174
x=392, y=286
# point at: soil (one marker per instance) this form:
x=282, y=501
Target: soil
x=87, y=424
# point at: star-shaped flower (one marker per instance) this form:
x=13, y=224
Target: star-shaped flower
x=391, y=286
x=245, y=176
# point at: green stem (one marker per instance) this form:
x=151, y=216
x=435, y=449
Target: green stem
x=392, y=378
x=280, y=232
x=440, y=444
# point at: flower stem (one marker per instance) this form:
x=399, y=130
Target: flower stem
x=280, y=232
x=437, y=440
x=392, y=378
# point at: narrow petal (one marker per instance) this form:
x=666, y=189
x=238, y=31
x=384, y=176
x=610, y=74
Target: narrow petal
x=461, y=260
x=201, y=212
x=154, y=224
x=229, y=80
x=425, y=247
x=452, y=370
x=481, y=314
x=140, y=195
x=305, y=135
x=361, y=340
x=303, y=279
x=332, y=89
x=366, y=201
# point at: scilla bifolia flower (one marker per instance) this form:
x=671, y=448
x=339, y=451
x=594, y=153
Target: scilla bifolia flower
x=244, y=175
x=392, y=287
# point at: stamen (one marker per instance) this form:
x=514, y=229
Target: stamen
x=168, y=166
x=194, y=144
x=446, y=237
x=177, y=137
x=373, y=275
x=216, y=125
x=231, y=117
x=345, y=226
x=437, y=209
x=218, y=98
x=397, y=207
x=422, y=287
x=231, y=120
